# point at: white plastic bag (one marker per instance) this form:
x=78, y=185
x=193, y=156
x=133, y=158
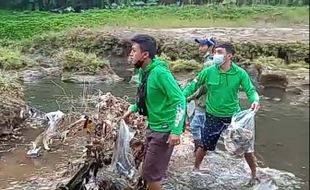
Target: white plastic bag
x=239, y=136
x=190, y=108
x=54, y=119
x=123, y=159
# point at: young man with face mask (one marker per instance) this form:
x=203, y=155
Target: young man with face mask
x=161, y=100
x=222, y=80
x=206, y=47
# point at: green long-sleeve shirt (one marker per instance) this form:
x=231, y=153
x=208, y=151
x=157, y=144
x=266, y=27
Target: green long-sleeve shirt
x=223, y=89
x=165, y=101
x=200, y=95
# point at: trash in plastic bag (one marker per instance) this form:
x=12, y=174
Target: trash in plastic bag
x=190, y=108
x=239, y=135
x=123, y=159
x=54, y=119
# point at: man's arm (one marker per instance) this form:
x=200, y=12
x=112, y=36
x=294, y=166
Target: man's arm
x=249, y=88
x=170, y=87
x=201, y=92
x=196, y=83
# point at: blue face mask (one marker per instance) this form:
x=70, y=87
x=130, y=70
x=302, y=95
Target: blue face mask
x=218, y=59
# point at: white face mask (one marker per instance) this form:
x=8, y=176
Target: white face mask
x=218, y=59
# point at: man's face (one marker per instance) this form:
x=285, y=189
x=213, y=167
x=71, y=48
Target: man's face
x=136, y=56
x=203, y=49
x=222, y=51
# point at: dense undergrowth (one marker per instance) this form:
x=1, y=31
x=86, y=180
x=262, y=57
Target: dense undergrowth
x=13, y=59
x=77, y=61
x=85, y=50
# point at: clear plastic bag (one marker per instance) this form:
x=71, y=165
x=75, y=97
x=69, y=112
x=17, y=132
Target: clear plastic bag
x=239, y=136
x=54, y=118
x=123, y=159
x=190, y=108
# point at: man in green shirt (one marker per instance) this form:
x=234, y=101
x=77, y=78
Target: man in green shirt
x=222, y=80
x=206, y=48
x=161, y=100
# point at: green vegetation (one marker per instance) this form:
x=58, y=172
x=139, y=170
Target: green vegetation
x=78, y=61
x=291, y=52
x=20, y=25
x=276, y=63
x=12, y=59
x=78, y=42
x=9, y=83
x=184, y=65
x=101, y=42
x=271, y=62
x=179, y=65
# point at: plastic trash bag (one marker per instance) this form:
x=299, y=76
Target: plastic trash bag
x=54, y=118
x=239, y=136
x=123, y=159
x=190, y=108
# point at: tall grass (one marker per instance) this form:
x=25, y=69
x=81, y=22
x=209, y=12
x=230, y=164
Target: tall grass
x=20, y=25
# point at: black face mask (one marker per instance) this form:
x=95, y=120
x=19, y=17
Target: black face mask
x=138, y=64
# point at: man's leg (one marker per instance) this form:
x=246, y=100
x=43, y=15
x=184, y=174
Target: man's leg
x=204, y=142
x=156, y=159
x=196, y=126
x=210, y=135
x=251, y=160
x=200, y=154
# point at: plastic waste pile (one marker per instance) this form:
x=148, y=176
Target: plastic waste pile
x=240, y=134
x=115, y=151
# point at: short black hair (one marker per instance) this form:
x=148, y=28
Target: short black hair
x=146, y=43
x=227, y=46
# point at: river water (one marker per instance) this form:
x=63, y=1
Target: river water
x=282, y=133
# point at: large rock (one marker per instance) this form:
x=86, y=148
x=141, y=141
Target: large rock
x=275, y=80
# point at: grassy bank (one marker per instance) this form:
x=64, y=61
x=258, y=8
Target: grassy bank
x=20, y=25
x=13, y=59
x=9, y=84
x=78, y=61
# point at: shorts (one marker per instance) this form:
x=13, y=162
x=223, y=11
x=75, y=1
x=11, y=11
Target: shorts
x=212, y=131
x=197, y=124
x=157, y=156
